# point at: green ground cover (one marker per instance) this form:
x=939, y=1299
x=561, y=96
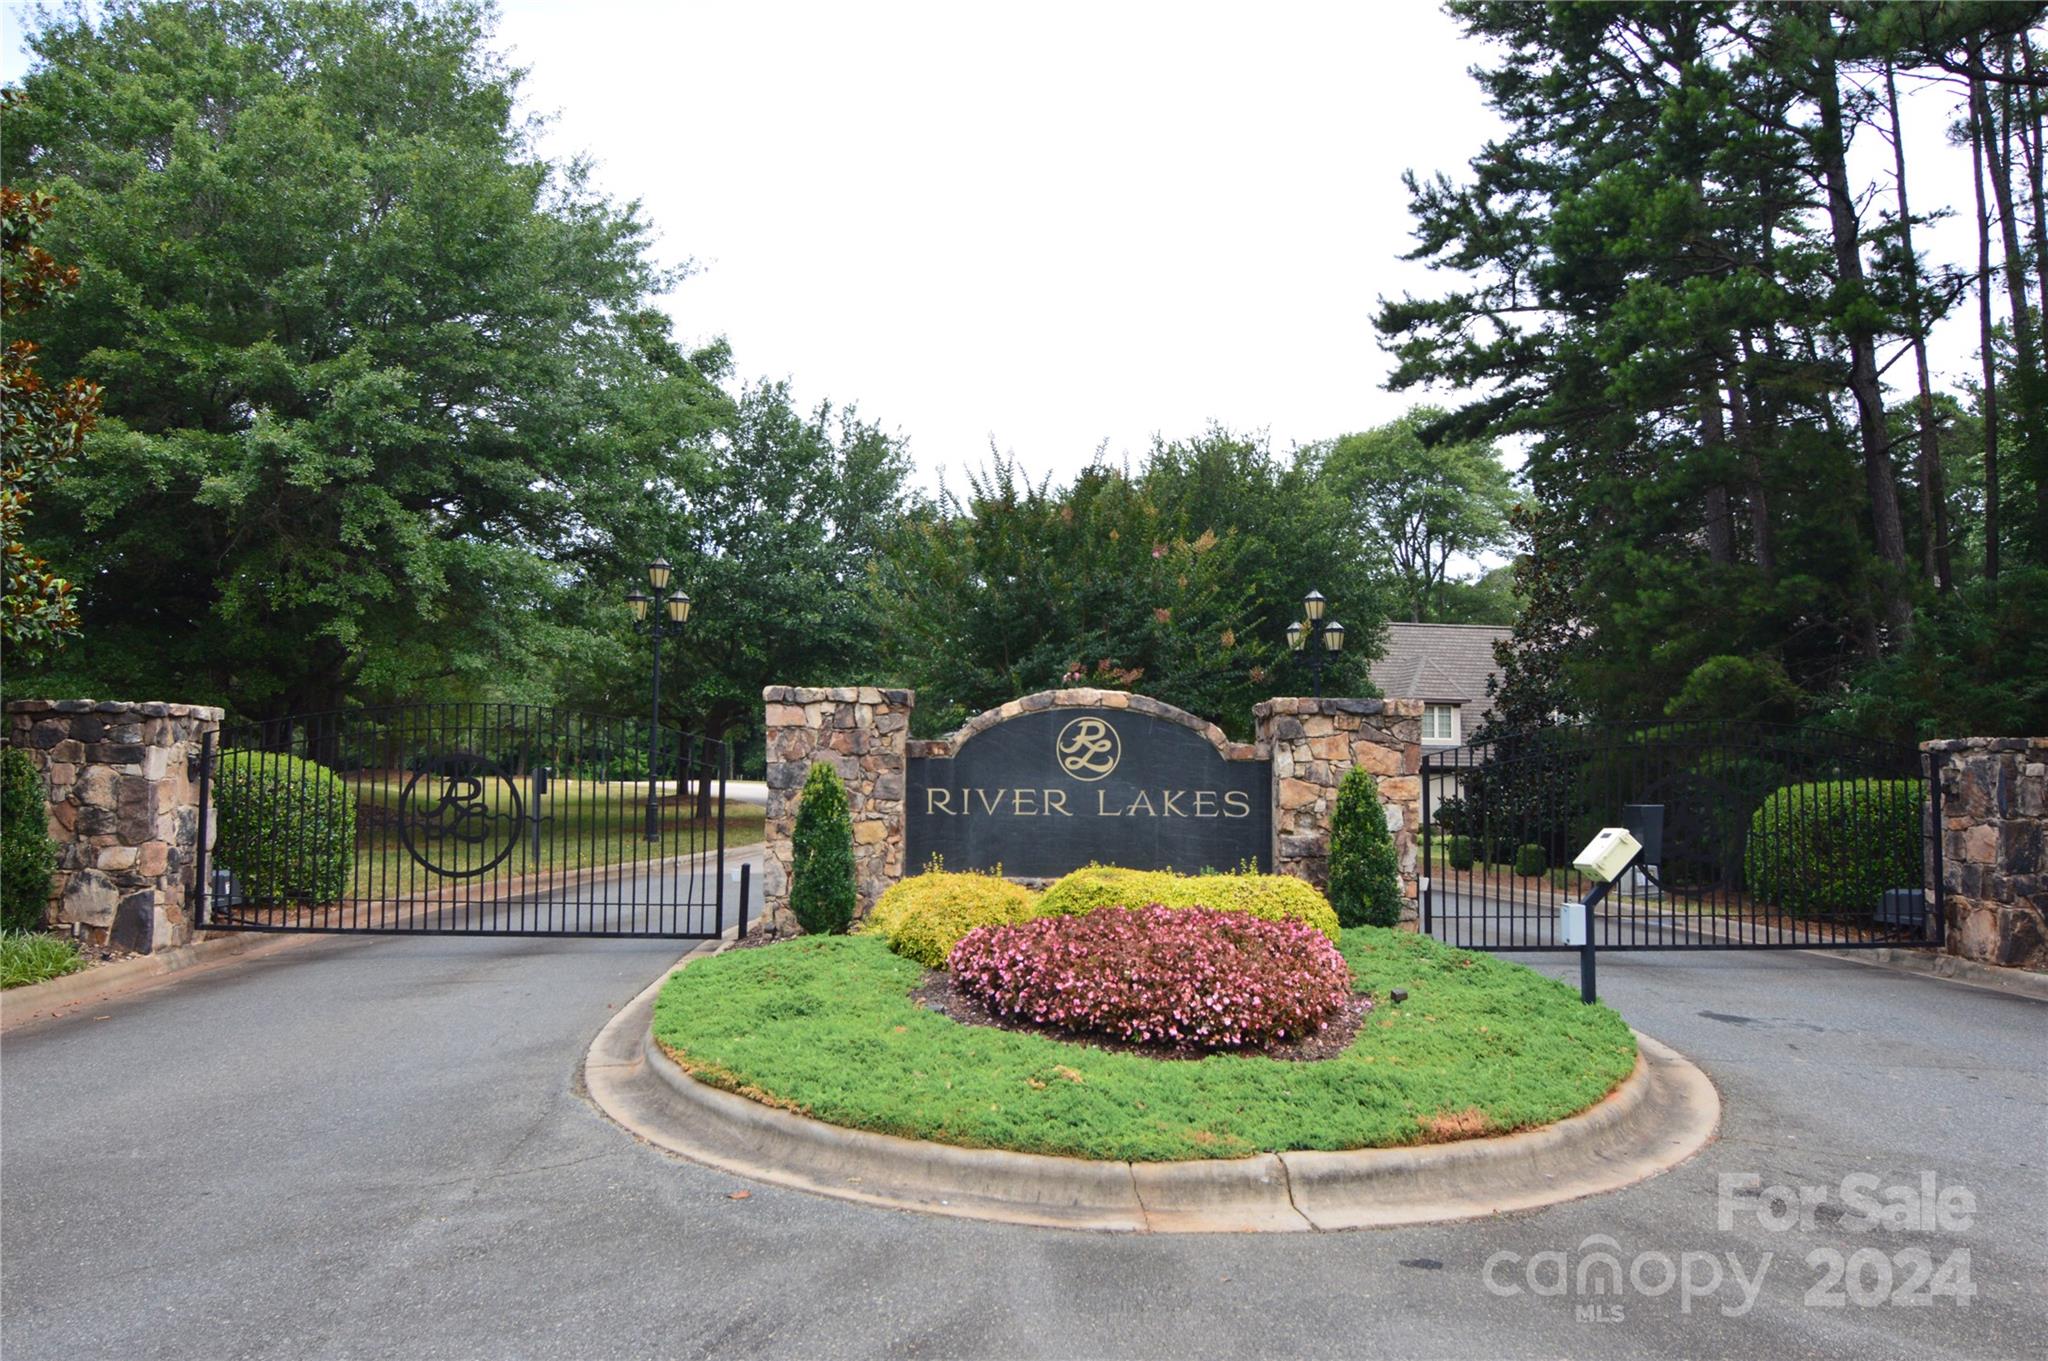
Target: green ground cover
x=30, y=957
x=825, y=1026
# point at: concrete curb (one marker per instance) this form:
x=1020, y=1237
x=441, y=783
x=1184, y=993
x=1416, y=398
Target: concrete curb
x=1662, y=1114
x=105, y=982
x=1950, y=968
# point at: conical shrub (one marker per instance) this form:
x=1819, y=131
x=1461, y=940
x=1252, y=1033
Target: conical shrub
x=821, y=887
x=1365, y=870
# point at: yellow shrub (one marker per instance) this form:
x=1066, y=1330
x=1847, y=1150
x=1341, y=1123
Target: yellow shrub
x=1094, y=886
x=1273, y=897
x=924, y=917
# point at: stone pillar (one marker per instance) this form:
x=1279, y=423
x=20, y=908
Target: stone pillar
x=864, y=732
x=124, y=812
x=1313, y=742
x=1994, y=847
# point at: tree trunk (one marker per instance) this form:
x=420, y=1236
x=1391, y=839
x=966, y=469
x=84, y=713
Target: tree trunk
x=1831, y=149
x=1989, y=401
x=1933, y=499
x=2037, y=382
x=2025, y=390
x=2036, y=172
x=1714, y=442
x=1865, y=620
x=1753, y=474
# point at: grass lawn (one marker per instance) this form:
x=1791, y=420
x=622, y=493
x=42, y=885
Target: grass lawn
x=825, y=1026
x=30, y=957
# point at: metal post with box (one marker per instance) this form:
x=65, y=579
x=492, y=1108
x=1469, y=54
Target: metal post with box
x=1606, y=858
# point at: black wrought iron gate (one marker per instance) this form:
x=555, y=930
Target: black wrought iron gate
x=466, y=819
x=1755, y=837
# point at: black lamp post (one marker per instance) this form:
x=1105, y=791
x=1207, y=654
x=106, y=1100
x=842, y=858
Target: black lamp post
x=1321, y=640
x=675, y=612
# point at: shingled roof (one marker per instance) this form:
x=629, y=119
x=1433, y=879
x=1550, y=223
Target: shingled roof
x=1443, y=663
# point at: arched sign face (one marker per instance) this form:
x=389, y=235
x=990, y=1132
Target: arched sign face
x=1048, y=792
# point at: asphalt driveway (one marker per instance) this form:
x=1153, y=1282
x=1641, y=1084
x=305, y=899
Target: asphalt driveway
x=376, y=1147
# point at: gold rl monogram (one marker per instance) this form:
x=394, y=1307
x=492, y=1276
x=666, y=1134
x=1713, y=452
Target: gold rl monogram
x=1088, y=748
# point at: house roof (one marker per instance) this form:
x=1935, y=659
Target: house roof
x=1447, y=663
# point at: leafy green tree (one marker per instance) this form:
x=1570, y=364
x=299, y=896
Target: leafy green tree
x=1138, y=580
x=380, y=378
x=1534, y=687
x=1488, y=598
x=41, y=428
x=822, y=895
x=1750, y=688
x=1421, y=504
x=774, y=530
x=1978, y=665
x=782, y=538
x=1365, y=869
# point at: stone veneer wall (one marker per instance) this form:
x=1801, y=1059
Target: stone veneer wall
x=1994, y=847
x=124, y=812
x=864, y=732
x=1313, y=743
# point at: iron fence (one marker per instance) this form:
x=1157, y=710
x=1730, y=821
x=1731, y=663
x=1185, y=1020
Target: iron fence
x=493, y=819
x=1754, y=836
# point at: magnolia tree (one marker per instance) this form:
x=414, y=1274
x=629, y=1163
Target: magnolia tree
x=42, y=426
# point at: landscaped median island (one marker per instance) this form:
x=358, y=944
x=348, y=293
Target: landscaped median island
x=843, y=1029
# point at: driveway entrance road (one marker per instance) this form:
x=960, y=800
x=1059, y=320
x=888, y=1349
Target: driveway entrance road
x=376, y=1147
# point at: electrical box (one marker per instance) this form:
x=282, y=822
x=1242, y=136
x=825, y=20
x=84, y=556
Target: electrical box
x=1901, y=907
x=226, y=891
x=1607, y=854
x=1571, y=924
x=1645, y=822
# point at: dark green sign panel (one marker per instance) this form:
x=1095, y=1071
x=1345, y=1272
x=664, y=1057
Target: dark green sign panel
x=1048, y=792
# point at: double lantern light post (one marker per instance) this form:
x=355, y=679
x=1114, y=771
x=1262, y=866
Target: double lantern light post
x=1321, y=640
x=675, y=612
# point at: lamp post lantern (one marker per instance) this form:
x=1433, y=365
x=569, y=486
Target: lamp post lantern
x=1320, y=639
x=674, y=613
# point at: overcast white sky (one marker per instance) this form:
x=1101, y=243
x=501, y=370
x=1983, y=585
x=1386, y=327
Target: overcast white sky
x=1051, y=226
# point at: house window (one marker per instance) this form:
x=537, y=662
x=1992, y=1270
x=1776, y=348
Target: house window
x=1439, y=722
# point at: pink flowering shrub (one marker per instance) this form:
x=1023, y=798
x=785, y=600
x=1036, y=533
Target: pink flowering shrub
x=1158, y=975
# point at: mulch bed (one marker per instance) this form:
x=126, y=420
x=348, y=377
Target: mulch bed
x=757, y=936
x=937, y=993
x=103, y=954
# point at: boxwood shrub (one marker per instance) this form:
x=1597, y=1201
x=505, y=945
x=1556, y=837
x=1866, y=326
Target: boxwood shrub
x=1270, y=897
x=1460, y=852
x=1832, y=847
x=287, y=827
x=924, y=917
x=1530, y=859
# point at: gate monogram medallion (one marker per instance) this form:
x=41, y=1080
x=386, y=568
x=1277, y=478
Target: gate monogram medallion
x=460, y=815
